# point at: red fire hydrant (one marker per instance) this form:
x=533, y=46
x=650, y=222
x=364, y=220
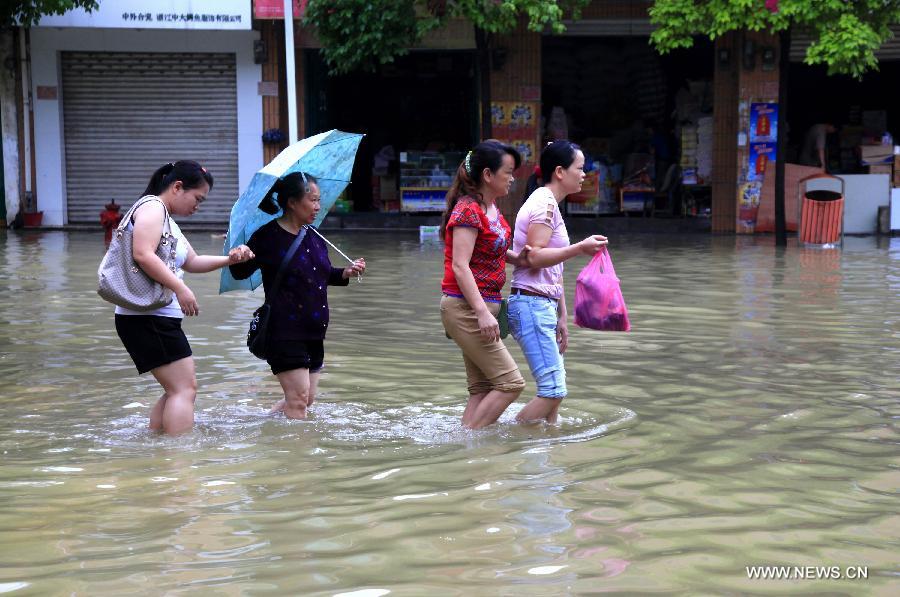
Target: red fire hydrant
x=109, y=219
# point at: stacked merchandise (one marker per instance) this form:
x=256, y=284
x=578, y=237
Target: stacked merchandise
x=704, y=149
x=425, y=177
x=689, y=155
x=692, y=101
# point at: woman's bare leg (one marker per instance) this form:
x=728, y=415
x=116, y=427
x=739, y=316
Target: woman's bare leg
x=471, y=408
x=313, y=387
x=490, y=408
x=176, y=407
x=296, y=386
x=539, y=409
x=156, y=414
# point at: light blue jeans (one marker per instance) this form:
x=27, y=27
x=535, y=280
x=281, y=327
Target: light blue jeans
x=532, y=322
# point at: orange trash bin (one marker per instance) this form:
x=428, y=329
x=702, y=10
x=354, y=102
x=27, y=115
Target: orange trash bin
x=821, y=213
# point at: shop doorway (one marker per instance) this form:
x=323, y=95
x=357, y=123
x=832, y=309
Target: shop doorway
x=863, y=109
x=643, y=119
x=425, y=101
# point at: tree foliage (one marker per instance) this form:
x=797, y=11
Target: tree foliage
x=361, y=34
x=844, y=34
x=28, y=12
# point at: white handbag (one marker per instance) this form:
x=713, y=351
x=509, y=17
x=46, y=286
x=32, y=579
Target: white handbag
x=121, y=280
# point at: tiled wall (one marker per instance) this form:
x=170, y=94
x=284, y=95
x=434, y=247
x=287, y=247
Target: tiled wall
x=518, y=80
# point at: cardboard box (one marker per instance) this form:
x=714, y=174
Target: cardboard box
x=876, y=154
x=881, y=169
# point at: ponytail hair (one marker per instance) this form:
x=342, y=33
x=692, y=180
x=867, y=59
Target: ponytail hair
x=293, y=186
x=190, y=173
x=487, y=154
x=557, y=154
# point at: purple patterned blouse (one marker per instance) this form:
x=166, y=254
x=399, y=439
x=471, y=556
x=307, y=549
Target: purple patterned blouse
x=300, y=309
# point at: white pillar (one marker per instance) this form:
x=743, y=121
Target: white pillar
x=290, y=70
x=9, y=119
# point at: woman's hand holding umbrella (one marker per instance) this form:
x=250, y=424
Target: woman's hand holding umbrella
x=357, y=268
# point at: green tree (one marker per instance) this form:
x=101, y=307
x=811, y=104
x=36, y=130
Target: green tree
x=28, y=12
x=362, y=34
x=845, y=35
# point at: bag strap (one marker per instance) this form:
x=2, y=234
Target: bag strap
x=126, y=219
x=287, y=257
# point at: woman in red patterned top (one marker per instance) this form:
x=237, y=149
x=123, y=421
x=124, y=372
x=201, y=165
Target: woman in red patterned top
x=476, y=249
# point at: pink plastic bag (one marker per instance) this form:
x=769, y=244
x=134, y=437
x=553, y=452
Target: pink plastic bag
x=599, y=304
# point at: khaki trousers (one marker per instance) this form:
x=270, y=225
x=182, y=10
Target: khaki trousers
x=489, y=366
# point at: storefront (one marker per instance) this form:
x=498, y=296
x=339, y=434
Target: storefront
x=131, y=86
x=866, y=113
x=858, y=121
x=419, y=115
x=863, y=109
x=643, y=120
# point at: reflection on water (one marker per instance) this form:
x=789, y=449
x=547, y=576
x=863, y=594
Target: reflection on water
x=749, y=418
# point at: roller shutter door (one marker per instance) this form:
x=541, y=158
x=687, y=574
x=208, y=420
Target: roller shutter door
x=126, y=114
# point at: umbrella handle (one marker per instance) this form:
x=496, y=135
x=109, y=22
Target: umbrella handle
x=358, y=275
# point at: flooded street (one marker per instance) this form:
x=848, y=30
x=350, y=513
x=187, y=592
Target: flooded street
x=750, y=418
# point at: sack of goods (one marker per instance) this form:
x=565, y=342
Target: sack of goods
x=599, y=304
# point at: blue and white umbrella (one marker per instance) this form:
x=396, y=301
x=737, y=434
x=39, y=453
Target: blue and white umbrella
x=327, y=156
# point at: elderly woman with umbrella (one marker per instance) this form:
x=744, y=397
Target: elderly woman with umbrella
x=296, y=271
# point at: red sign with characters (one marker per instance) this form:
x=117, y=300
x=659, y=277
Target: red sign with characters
x=274, y=9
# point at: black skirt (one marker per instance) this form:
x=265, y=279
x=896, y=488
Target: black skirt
x=152, y=341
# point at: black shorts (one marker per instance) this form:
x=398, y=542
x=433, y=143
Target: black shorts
x=285, y=355
x=152, y=340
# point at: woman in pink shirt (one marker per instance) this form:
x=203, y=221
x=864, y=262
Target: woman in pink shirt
x=537, y=305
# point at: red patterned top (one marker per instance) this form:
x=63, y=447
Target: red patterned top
x=488, y=262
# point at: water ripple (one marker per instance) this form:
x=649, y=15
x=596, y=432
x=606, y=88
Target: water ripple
x=749, y=418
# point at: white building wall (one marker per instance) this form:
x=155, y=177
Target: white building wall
x=46, y=45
